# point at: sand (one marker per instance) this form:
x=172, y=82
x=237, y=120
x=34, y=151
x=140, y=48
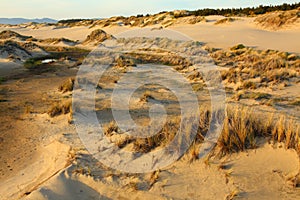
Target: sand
x=36, y=149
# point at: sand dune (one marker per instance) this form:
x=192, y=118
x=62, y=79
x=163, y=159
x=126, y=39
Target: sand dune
x=44, y=158
x=243, y=31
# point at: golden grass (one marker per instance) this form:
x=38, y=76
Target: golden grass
x=268, y=67
x=225, y=20
x=279, y=19
x=67, y=86
x=243, y=126
x=242, y=129
x=64, y=107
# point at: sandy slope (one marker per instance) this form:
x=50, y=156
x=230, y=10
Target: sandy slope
x=242, y=31
x=262, y=173
x=8, y=68
x=225, y=35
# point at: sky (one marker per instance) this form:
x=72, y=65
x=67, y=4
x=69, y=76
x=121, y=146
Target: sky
x=66, y=9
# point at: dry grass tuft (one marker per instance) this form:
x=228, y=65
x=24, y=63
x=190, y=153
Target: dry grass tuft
x=146, y=96
x=111, y=128
x=64, y=107
x=225, y=20
x=67, y=86
x=243, y=126
x=279, y=19
x=242, y=129
x=267, y=68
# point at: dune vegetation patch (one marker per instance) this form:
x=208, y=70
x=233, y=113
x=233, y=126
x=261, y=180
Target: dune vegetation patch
x=279, y=19
x=97, y=36
x=250, y=69
x=8, y=35
x=67, y=86
x=243, y=128
x=59, y=108
x=226, y=20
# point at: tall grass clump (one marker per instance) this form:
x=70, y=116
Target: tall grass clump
x=243, y=126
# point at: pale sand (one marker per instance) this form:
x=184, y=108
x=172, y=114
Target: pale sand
x=263, y=173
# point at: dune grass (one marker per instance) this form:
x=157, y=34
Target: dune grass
x=59, y=108
x=268, y=67
x=67, y=86
x=243, y=127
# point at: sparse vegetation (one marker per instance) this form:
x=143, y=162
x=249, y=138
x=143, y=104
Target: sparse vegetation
x=2, y=79
x=279, y=19
x=32, y=63
x=169, y=18
x=67, y=86
x=242, y=128
x=267, y=68
x=225, y=20
x=63, y=107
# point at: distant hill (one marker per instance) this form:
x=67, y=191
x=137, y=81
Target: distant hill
x=14, y=21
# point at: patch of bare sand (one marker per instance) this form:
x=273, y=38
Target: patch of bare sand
x=265, y=173
x=181, y=180
x=243, y=31
x=48, y=162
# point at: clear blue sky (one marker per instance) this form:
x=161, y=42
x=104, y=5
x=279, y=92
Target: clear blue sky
x=61, y=9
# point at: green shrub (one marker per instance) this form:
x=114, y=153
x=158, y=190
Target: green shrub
x=32, y=63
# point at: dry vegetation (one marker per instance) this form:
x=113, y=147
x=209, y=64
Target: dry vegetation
x=58, y=108
x=225, y=20
x=242, y=129
x=279, y=19
x=251, y=69
x=97, y=36
x=67, y=86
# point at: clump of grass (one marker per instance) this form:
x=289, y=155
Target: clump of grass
x=60, y=108
x=2, y=80
x=154, y=177
x=67, y=86
x=146, y=96
x=225, y=20
x=121, y=61
x=295, y=103
x=242, y=126
x=232, y=195
x=237, y=47
x=32, y=63
x=111, y=128
x=270, y=67
x=162, y=138
x=198, y=86
x=249, y=85
x=252, y=95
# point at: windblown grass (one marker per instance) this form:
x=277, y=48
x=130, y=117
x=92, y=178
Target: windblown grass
x=64, y=107
x=243, y=127
x=267, y=67
x=67, y=86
